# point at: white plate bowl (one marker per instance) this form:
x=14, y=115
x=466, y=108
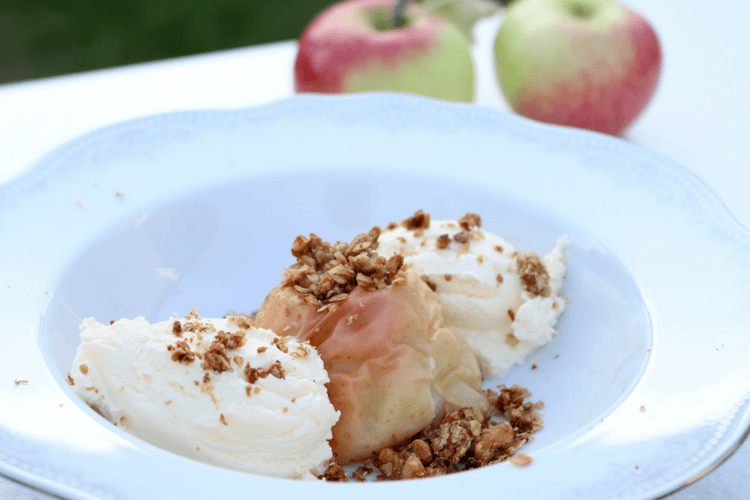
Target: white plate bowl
x=646, y=385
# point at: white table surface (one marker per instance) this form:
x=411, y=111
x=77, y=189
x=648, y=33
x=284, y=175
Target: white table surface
x=696, y=117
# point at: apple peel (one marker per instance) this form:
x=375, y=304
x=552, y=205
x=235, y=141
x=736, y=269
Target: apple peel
x=394, y=367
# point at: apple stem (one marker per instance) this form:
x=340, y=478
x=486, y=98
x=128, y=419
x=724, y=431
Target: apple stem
x=398, y=13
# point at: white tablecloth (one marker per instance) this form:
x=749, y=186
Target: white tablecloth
x=697, y=117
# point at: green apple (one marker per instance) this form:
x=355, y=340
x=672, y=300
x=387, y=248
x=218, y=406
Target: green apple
x=590, y=64
x=355, y=46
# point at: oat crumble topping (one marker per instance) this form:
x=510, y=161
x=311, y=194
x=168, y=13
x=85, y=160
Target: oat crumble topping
x=177, y=328
x=181, y=352
x=470, y=221
x=334, y=473
x=419, y=220
x=464, y=439
x=462, y=237
x=443, y=241
x=216, y=358
x=534, y=275
x=253, y=374
x=281, y=344
x=325, y=274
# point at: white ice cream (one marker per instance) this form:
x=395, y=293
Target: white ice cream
x=273, y=426
x=484, y=297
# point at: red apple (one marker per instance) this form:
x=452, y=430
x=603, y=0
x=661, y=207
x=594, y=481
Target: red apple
x=590, y=64
x=355, y=46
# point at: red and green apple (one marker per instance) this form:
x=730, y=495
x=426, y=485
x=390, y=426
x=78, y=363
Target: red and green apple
x=356, y=46
x=590, y=64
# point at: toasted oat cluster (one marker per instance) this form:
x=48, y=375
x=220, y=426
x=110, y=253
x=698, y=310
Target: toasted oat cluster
x=534, y=275
x=464, y=439
x=325, y=273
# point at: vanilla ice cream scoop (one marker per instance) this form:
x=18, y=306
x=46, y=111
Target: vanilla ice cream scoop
x=394, y=365
x=503, y=302
x=215, y=390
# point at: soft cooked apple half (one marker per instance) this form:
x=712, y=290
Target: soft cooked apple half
x=393, y=364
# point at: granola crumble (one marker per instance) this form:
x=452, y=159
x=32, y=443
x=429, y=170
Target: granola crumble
x=470, y=221
x=534, y=275
x=325, y=274
x=420, y=220
x=253, y=374
x=443, y=241
x=334, y=472
x=361, y=473
x=464, y=439
x=181, y=352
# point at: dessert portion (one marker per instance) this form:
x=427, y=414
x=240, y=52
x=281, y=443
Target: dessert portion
x=394, y=366
x=504, y=303
x=216, y=390
x=371, y=350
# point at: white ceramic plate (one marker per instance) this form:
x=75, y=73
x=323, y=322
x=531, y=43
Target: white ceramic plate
x=646, y=385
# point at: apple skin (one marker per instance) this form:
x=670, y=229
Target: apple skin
x=342, y=51
x=590, y=64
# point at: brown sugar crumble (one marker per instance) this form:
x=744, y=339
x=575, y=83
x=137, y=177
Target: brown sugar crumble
x=181, y=352
x=282, y=344
x=334, y=473
x=420, y=220
x=83, y=368
x=443, y=241
x=253, y=374
x=325, y=274
x=361, y=473
x=462, y=237
x=534, y=275
x=70, y=380
x=470, y=221
x=20, y=382
x=464, y=439
x=222, y=419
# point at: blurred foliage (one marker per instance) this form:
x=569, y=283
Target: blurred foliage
x=40, y=38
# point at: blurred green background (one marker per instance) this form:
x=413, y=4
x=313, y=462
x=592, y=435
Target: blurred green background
x=40, y=38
